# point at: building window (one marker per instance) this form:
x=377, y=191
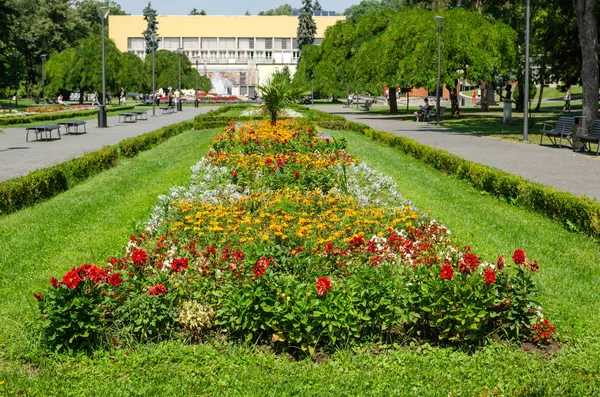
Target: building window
x=281, y=44
x=171, y=43
x=191, y=42
x=245, y=43
x=268, y=54
x=209, y=43
x=135, y=43
x=295, y=56
x=243, y=80
x=294, y=44
x=227, y=43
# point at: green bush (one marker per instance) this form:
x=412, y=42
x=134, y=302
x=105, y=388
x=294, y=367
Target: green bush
x=576, y=213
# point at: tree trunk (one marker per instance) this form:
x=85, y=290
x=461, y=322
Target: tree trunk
x=541, y=94
x=588, y=38
x=273, y=118
x=392, y=100
x=485, y=107
x=520, y=100
x=407, y=98
x=454, y=99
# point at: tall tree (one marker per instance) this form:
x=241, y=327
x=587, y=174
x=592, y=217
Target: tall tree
x=88, y=10
x=150, y=15
x=306, y=25
x=196, y=12
x=354, y=12
x=588, y=39
x=317, y=6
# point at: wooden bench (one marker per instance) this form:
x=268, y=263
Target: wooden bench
x=72, y=126
x=366, y=105
x=43, y=129
x=562, y=129
x=140, y=115
x=128, y=117
x=593, y=136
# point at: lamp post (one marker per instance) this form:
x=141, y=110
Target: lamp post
x=439, y=22
x=196, y=92
x=103, y=14
x=179, y=108
x=154, y=37
x=16, y=55
x=43, y=80
x=526, y=104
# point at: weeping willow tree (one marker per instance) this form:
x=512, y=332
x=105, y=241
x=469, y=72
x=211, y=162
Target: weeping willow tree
x=278, y=92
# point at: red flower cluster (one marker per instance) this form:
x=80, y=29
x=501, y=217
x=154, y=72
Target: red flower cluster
x=54, y=282
x=158, y=289
x=76, y=275
x=468, y=263
x=447, y=272
x=179, y=264
x=296, y=175
x=72, y=279
x=261, y=267
x=139, y=256
x=490, y=276
x=519, y=256
x=500, y=263
x=323, y=285
x=234, y=174
x=542, y=332
x=115, y=280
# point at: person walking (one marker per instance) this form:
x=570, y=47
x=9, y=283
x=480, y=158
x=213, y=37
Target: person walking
x=567, y=107
x=122, y=96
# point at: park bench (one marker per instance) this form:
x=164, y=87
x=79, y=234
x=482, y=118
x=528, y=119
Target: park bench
x=366, y=105
x=72, y=126
x=128, y=117
x=431, y=116
x=167, y=110
x=140, y=115
x=593, y=136
x=562, y=129
x=43, y=130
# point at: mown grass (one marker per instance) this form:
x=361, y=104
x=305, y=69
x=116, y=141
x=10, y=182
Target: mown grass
x=93, y=221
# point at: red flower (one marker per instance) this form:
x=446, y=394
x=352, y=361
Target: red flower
x=490, y=276
x=328, y=248
x=158, y=289
x=38, y=297
x=96, y=274
x=261, y=267
x=323, y=285
x=447, y=272
x=231, y=123
x=115, y=280
x=139, y=256
x=268, y=160
x=296, y=175
x=54, y=282
x=234, y=174
x=519, y=256
x=179, y=264
x=72, y=279
x=279, y=163
x=500, y=263
x=534, y=266
x=468, y=263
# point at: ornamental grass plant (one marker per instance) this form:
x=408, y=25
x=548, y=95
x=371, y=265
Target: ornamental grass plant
x=286, y=240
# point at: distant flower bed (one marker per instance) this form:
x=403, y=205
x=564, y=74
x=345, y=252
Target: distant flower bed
x=282, y=237
x=262, y=111
x=45, y=109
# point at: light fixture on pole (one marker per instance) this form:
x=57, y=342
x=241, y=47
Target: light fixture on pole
x=43, y=80
x=154, y=37
x=103, y=14
x=439, y=23
x=526, y=96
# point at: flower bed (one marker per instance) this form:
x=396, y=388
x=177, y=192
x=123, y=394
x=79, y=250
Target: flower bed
x=262, y=111
x=282, y=237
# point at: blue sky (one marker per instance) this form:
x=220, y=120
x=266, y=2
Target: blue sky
x=224, y=7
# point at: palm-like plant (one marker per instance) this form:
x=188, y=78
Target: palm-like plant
x=278, y=92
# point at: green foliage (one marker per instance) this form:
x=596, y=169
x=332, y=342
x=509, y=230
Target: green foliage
x=150, y=15
x=278, y=92
x=285, y=9
x=307, y=28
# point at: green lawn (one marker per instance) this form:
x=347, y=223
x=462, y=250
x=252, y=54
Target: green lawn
x=93, y=221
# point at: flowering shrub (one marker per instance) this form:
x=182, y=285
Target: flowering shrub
x=282, y=236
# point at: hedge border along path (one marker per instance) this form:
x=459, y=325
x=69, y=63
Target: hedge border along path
x=580, y=214
x=58, y=115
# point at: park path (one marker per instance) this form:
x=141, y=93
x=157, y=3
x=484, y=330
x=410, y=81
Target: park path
x=563, y=169
x=19, y=158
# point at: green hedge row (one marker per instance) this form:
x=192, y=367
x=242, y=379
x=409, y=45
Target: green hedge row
x=576, y=213
x=58, y=115
x=25, y=191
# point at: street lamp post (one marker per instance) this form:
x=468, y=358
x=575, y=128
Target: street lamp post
x=526, y=96
x=179, y=108
x=103, y=14
x=154, y=37
x=43, y=80
x=439, y=22
x=16, y=55
x=196, y=92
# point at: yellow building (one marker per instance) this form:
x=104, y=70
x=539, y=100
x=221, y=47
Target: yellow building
x=235, y=52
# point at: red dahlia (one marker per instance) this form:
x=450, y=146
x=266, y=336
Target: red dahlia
x=296, y=175
x=447, y=272
x=158, y=289
x=519, y=256
x=261, y=267
x=115, y=280
x=38, y=297
x=490, y=276
x=323, y=285
x=72, y=279
x=139, y=256
x=468, y=263
x=179, y=264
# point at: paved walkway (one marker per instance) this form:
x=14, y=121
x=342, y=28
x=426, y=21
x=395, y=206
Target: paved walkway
x=578, y=173
x=18, y=157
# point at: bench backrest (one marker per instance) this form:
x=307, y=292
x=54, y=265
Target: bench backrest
x=565, y=123
x=595, y=130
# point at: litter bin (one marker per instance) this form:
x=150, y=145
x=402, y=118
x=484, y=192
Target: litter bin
x=196, y=103
x=462, y=101
x=179, y=106
x=102, y=116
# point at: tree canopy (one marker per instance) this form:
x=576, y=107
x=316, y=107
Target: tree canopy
x=285, y=9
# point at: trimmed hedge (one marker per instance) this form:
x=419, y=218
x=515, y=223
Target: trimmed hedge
x=575, y=213
x=58, y=115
